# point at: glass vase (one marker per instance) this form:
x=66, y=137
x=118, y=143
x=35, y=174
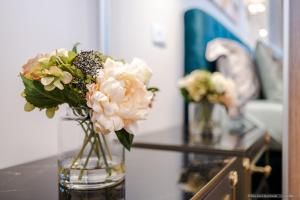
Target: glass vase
x=206, y=121
x=87, y=160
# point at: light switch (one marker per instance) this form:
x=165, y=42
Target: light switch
x=158, y=35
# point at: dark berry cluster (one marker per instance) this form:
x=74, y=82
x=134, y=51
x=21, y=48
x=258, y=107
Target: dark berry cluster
x=89, y=62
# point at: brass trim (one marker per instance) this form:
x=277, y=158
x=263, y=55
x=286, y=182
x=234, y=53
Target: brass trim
x=233, y=179
x=226, y=197
x=266, y=170
x=246, y=164
x=215, y=180
x=247, y=177
x=259, y=154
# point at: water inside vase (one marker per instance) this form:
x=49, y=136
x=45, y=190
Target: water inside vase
x=94, y=175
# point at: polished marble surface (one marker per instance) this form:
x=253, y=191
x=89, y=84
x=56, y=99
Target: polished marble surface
x=227, y=143
x=150, y=174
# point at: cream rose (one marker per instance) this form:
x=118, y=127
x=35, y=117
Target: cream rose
x=118, y=99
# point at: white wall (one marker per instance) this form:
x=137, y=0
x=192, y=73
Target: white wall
x=276, y=23
x=130, y=36
x=27, y=28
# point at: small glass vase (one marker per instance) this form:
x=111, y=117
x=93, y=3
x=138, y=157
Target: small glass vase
x=87, y=160
x=206, y=121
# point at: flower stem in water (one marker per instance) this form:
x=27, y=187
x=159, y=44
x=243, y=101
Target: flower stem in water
x=107, y=147
x=108, y=169
x=87, y=160
x=79, y=155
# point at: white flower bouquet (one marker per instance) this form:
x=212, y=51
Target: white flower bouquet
x=110, y=96
x=201, y=85
x=203, y=90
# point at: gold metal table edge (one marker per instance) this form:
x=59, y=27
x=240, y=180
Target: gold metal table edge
x=233, y=179
x=215, y=180
x=250, y=165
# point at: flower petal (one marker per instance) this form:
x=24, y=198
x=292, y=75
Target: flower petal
x=132, y=127
x=106, y=122
x=96, y=107
x=49, y=87
x=114, y=89
x=58, y=84
x=47, y=80
x=67, y=77
x=55, y=71
x=118, y=123
x=110, y=108
x=140, y=69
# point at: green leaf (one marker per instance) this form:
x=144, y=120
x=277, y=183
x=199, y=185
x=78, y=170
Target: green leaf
x=125, y=138
x=153, y=89
x=71, y=56
x=73, y=98
x=36, y=95
x=185, y=95
x=39, y=97
x=74, y=49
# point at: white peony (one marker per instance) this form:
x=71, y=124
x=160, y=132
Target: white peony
x=119, y=98
x=140, y=69
x=137, y=68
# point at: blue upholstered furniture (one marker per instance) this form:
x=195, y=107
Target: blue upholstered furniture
x=199, y=29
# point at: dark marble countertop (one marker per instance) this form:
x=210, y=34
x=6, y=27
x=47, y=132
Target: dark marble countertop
x=150, y=174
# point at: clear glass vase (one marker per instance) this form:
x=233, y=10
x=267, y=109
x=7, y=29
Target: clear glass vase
x=206, y=121
x=87, y=160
